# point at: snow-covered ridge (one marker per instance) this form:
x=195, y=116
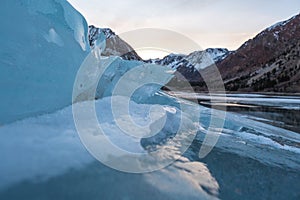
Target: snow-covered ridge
x=217, y=54
x=279, y=27
x=268, y=62
x=196, y=59
x=95, y=34
x=280, y=24
x=114, y=45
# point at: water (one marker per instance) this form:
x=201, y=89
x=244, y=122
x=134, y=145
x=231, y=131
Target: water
x=280, y=111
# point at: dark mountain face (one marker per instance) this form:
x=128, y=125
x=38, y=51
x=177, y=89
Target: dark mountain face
x=265, y=47
x=115, y=46
x=268, y=62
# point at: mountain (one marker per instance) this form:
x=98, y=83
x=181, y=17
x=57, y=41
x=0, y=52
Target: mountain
x=268, y=62
x=193, y=60
x=184, y=64
x=115, y=46
x=187, y=66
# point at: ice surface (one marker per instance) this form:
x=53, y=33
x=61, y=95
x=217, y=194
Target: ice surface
x=48, y=146
x=43, y=44
x=52, y=36
x=113, y=74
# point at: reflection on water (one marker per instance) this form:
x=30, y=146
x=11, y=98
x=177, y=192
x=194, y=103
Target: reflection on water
x=280, y=117
x=280, y=111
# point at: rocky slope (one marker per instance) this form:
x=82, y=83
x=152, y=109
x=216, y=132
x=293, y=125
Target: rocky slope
x=115, y=46
x=268, y=62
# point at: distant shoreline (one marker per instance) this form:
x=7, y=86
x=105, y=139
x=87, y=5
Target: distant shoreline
x=231, y=92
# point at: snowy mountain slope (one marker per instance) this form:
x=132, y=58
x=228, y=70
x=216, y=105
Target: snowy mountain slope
x=187, y=66
x=39, y=57
x=115, y=46
x=195, y=60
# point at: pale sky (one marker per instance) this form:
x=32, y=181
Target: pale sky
x=211, y=23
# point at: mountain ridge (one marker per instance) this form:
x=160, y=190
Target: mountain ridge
x=269, y=62
x=271, y=53
x=115, y=46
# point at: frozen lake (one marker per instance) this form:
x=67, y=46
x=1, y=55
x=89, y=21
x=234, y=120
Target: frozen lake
x=254, y=158
x=281, y=111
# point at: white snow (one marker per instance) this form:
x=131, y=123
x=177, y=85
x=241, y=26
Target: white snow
x=197, y=59
x=276, y=35
x=280, y=24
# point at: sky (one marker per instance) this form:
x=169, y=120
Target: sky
x=210, y=23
